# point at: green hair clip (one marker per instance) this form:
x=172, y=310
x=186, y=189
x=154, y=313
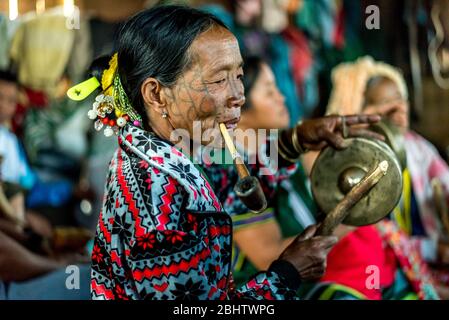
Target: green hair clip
x=112, y=108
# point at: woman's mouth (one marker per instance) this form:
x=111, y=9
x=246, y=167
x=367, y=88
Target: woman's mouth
x=231, y=124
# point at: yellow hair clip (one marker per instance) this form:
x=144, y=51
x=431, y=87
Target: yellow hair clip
x=82, y=90
x=108, y=75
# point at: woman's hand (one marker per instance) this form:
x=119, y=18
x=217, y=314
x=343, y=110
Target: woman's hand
x=315, y=134
x=19, y=264
x=308, y=254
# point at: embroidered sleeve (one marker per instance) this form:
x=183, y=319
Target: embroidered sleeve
x=266, y=286
x=149, y=247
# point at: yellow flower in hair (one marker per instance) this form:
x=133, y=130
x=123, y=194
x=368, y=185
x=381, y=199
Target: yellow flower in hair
x=108, y=75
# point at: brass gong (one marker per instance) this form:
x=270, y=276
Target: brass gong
x=335, y=172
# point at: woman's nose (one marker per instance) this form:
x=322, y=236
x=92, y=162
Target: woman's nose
x=236, y=97
x=236, y=102
x=280, y=97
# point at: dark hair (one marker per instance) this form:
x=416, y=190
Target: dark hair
x=8, y=76
x=98, y=66
x=155, y=43
x=252, y=67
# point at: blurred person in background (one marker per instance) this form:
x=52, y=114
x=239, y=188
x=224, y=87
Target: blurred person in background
x=27, y=271
x=14, y=169
x=402, y=247
x=258, y=238
x=379, y=88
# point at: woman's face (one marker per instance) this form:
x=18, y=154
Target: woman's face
x=211, y=90
x=384, y=98
x=268, y=110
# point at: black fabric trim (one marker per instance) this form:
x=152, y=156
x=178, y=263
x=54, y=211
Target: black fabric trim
x=287, y=272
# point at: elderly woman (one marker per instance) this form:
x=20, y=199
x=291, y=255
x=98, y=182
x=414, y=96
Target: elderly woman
x=162, y=232
x=378, y=88
x=396, y=248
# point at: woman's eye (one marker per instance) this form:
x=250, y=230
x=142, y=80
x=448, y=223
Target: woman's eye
x=240, y=76
x=220, y=81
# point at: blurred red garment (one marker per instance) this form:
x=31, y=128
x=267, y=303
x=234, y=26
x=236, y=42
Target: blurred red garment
x=301, y=58
x=33, y=99
x=350, y=262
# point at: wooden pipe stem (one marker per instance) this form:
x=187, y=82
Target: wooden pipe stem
x=238, y=161
x=241, y=168
x=248, y=188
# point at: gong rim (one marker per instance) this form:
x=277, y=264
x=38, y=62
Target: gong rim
x=393, y=138
x=364, y=154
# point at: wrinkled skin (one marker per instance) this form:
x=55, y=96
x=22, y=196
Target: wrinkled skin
x=209, y=92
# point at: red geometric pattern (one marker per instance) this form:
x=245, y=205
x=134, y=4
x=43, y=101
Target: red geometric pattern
x=162, y=233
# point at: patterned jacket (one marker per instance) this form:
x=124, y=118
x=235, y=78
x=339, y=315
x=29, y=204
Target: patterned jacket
x=425, y=164
x=163, y=234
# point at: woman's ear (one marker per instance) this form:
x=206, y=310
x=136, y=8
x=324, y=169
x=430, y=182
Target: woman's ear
x=153, y=96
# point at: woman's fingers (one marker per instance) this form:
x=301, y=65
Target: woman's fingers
x=333, y=130
x=325, y=242
x=358, y=119
x=365, y=133
x=313, y=273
